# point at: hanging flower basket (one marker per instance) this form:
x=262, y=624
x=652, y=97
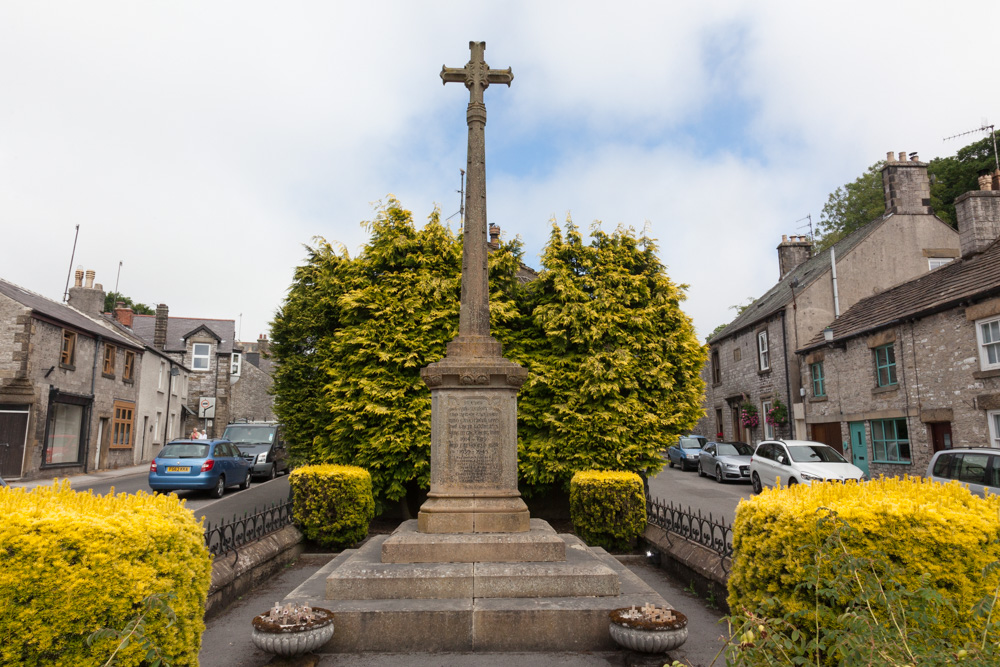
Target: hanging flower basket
x=648, y=629
x=778, y=414
x=748, y=415
x=292, y=630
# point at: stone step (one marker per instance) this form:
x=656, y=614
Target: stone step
x=539, y=544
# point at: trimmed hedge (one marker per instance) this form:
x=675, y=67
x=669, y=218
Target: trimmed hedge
x=608, y=508
x=930, y=536
x=332, y=504
x=74, y=563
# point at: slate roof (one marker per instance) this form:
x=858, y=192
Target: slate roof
x=943, y=288
x=779, y=296
x=66, y=315
x=179, y=328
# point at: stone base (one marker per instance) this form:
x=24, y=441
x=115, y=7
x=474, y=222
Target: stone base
x=447, y=514
x=539, y=544
x=475, y=624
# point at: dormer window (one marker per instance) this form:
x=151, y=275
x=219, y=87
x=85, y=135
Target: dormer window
x=200, y=356
x=237, y=363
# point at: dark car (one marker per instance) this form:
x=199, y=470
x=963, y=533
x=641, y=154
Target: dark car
x=262, y=445
x=209, y=465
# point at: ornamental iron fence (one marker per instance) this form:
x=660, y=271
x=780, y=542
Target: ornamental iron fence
x=707, y=531
x=228, y=536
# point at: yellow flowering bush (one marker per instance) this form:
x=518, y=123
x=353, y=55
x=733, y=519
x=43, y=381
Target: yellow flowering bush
x=74, y=563
x=608, y=508
x=913, y=534
x=332, y=504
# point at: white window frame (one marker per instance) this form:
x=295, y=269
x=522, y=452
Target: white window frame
x=935, y=262
x=763, y=355
x=159, y=382
x=768, y=428
x=236, y=364
x=981, y=344
x=195, y=357
x=993, y=417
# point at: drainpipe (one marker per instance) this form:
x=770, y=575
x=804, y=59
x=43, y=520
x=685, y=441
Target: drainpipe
x=836, y=297
x=93, y=381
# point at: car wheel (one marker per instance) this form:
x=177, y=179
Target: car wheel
x=671, y=463
x=246, y=483
x=755, y=481
x=220, y=487
x=701, y=472
x=273, y=472
x=792, y=481
x=718, y=475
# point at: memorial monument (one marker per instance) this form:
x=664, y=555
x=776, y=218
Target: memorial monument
x=474, y=572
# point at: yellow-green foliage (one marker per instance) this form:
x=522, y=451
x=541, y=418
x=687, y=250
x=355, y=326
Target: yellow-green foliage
x=925, y=528
x=332, y=504
x=608, y=508
x=73, y=563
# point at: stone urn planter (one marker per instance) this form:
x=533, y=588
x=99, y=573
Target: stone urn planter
x=648, y=629
x=292, y=630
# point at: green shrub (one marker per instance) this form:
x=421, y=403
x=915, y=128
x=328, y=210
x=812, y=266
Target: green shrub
x=74, y=563
x=608, y=508
x=332, y=504
x=893, y=571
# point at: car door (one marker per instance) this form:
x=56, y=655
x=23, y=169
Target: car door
x=768, y=467
x=706, y=458
x=782, y=465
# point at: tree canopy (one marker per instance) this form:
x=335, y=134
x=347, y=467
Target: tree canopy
x=112, y=298
x=613, y=362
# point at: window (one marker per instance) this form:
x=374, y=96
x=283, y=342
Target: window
x=988, y=333
x=994, y=419
x=68, y=349
x=935, y=262
x=156, y=427
x=885, y=365
x=816, y=371
x=129, y=370
x=65, y=430
x=890, y=441
x=765, y=407
x=716, y=371
x=159, y=381
x=200, y=354
x=237, y=363
x=737, y=354
x=109, y=360
x=763, y=357
x=121, y=426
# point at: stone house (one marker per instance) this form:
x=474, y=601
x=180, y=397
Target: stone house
x=252, y=399
x=752, y=360
x=916, y=369
x=69, y=385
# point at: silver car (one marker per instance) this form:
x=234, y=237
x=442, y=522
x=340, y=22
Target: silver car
x=978, y=468
x=726, y=461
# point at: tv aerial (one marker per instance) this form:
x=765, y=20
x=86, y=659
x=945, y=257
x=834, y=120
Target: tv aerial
x=461, y=202
x=984, y=128
x=808, y=224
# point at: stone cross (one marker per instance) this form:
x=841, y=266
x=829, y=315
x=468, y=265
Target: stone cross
x=474, y=320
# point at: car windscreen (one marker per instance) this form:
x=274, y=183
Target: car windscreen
x=734, y=449
x=183, y=451
x=815, y=454
x=250, y=434
x=251, y=449
x=693, y=443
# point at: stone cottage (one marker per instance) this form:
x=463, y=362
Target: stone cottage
x=752, y=360
x=916, y=369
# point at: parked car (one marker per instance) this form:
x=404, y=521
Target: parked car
x=685, y=452
x=978, y=468
x=799, y=462
x=211, y=465
x=725, y=460
x=262, y=445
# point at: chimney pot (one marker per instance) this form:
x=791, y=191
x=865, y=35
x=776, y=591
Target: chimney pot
x=78, y=280
x=914, y=157
x=986, y=182
x=890, y=157
x=90, y=279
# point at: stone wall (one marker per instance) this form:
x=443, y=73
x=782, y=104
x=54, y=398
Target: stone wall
x=251, y=397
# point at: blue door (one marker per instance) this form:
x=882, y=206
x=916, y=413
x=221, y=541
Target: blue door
x=859, y=447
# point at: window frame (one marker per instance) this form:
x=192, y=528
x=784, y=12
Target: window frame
x=110, y=355
x=993, y=422
x=67, y=355
x=207, y=356
x=896, y=441
x=716, y=370
x=122, y=425
x=763, y=351
x=59, y=399
x=892, y=379
x=766, y=405
x=818, y=379
x=128, y=371
x=937, y=262
x=984, y=346
x=236, y=364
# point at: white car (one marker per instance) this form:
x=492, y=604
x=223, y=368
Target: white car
x=799, y=462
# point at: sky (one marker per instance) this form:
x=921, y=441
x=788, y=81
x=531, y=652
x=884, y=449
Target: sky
x=200, y=146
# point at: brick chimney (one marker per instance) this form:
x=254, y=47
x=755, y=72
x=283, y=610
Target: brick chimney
x=87, y=298
x=263, y=345
x=978, y=215
x=906, y=185
x=160, y=327
x=792, y=251
x=124, y=314
x=494, y=242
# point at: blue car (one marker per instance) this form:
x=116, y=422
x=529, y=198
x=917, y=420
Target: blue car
x=687, y=451
x=209, y=465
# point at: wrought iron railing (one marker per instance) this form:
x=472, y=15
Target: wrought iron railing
x=228, y=536
x=707, y=531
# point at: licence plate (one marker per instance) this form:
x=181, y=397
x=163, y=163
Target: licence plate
x=178, y=469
